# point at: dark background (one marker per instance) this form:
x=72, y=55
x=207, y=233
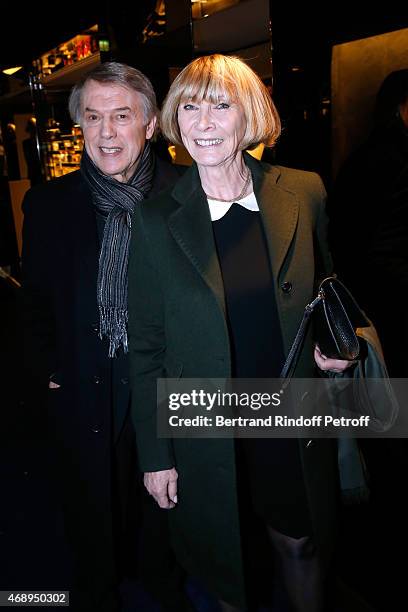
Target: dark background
x=29, y=30
x=26, y=33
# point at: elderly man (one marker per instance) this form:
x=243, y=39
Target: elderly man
x=75, y=265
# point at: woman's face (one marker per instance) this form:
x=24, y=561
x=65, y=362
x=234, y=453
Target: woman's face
x=211, y=133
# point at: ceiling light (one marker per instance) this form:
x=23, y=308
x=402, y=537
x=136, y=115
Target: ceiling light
x=10, y=71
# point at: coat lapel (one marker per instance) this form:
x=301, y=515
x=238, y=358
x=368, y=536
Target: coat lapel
x=191, y=227
x=84, y=230
x=279, y=209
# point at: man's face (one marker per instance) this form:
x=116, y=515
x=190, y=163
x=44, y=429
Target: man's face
x=114, y=128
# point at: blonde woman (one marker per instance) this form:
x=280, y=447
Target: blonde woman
x=226, y=263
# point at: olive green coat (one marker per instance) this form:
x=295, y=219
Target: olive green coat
x=177, y=327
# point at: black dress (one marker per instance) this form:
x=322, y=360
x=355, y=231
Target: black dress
x=269, y=468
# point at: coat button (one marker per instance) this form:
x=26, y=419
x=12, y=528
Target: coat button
x=95, y=429
x=124, y=381
x=97, y=380
x=95, y=327
x=286, y=287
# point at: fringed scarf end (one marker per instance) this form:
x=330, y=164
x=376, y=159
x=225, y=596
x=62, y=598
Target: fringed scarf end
x=113, y=325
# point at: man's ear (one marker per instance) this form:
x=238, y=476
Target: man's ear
x=150, y=127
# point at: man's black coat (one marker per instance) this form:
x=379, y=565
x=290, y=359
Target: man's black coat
x=89, y=413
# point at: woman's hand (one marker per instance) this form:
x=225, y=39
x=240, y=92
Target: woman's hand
x=333, y=365
x=162, y=486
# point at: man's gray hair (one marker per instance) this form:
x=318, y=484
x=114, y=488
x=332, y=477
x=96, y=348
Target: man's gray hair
x=118, y=74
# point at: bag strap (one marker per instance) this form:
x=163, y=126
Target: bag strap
x=293, y=355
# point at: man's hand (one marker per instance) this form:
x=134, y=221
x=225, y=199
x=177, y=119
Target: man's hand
x=328, y=364
x=53, y=385
x=163, y=487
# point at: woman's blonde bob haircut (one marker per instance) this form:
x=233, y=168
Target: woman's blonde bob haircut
x=221, y=77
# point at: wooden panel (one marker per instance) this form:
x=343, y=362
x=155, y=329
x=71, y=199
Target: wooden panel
x=358, y=69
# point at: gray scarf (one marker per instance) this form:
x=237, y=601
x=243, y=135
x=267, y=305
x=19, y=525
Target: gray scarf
x=116, y=202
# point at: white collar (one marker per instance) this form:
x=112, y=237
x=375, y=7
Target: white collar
x=219, y=209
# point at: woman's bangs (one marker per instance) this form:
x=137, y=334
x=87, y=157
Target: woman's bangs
x=210, y=88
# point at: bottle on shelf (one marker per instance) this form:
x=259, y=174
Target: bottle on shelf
x=63, y=150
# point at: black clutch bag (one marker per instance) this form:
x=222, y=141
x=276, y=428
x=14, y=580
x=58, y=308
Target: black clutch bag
x=336, y=317
x=342, y=331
